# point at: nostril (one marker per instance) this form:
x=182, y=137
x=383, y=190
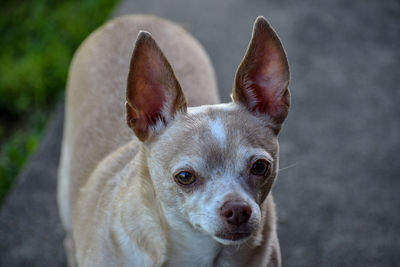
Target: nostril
x=246, y=211
x=228, y=214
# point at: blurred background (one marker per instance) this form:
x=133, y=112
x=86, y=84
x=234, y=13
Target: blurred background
x=338, y=191
x=37, y=40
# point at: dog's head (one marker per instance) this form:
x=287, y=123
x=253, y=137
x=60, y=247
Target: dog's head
x=211, y=166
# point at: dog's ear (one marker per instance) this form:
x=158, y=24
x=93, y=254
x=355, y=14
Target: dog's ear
x=262, y=79
x=153, y=93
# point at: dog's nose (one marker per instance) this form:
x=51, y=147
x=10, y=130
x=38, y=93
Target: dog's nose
x=236, y=212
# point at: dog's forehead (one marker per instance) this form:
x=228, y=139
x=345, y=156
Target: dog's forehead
x=219, y=135
x=228, y=125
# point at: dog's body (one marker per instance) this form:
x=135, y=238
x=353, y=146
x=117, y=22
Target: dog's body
x=182, y=193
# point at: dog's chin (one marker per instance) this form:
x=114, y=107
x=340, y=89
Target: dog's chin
x=232, y=238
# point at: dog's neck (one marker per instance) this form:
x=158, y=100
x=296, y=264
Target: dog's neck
x=188, y=245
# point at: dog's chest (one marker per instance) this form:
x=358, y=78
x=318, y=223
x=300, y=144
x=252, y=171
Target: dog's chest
x=192, y=249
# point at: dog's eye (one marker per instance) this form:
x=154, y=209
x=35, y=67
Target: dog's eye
x=185, y=178
x=260, y=168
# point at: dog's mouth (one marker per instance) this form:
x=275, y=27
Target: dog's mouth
x=232, y=238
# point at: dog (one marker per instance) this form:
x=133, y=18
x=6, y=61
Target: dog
x=146, y=180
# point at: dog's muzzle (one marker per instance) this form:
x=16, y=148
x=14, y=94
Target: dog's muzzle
x=235, y=215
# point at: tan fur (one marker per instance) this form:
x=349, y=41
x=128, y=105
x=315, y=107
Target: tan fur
x=118, y=201
x=95, y=120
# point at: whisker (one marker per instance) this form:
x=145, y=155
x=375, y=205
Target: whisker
x=288, y=167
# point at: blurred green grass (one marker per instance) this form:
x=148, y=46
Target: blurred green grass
x=37, y=40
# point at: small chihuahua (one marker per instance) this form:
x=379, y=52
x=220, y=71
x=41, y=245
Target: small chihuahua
x=191, y=185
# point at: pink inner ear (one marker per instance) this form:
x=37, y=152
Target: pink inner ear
x=151, y=87
x=274, y=106
x=151, y=110
x=153, y=94
x=263, y=76
x=265, y=88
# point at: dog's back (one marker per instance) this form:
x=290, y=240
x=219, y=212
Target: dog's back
x=95, y=123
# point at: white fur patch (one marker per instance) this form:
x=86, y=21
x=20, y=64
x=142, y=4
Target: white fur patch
x=134, y=255
x=204, y=108
x=218, y=131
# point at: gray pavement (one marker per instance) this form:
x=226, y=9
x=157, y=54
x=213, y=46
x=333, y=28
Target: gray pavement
x=338, y=193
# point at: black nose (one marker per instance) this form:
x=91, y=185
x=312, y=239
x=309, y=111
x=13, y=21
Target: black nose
x=236, y=212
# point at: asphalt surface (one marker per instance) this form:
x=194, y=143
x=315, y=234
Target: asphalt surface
x=338, y=191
